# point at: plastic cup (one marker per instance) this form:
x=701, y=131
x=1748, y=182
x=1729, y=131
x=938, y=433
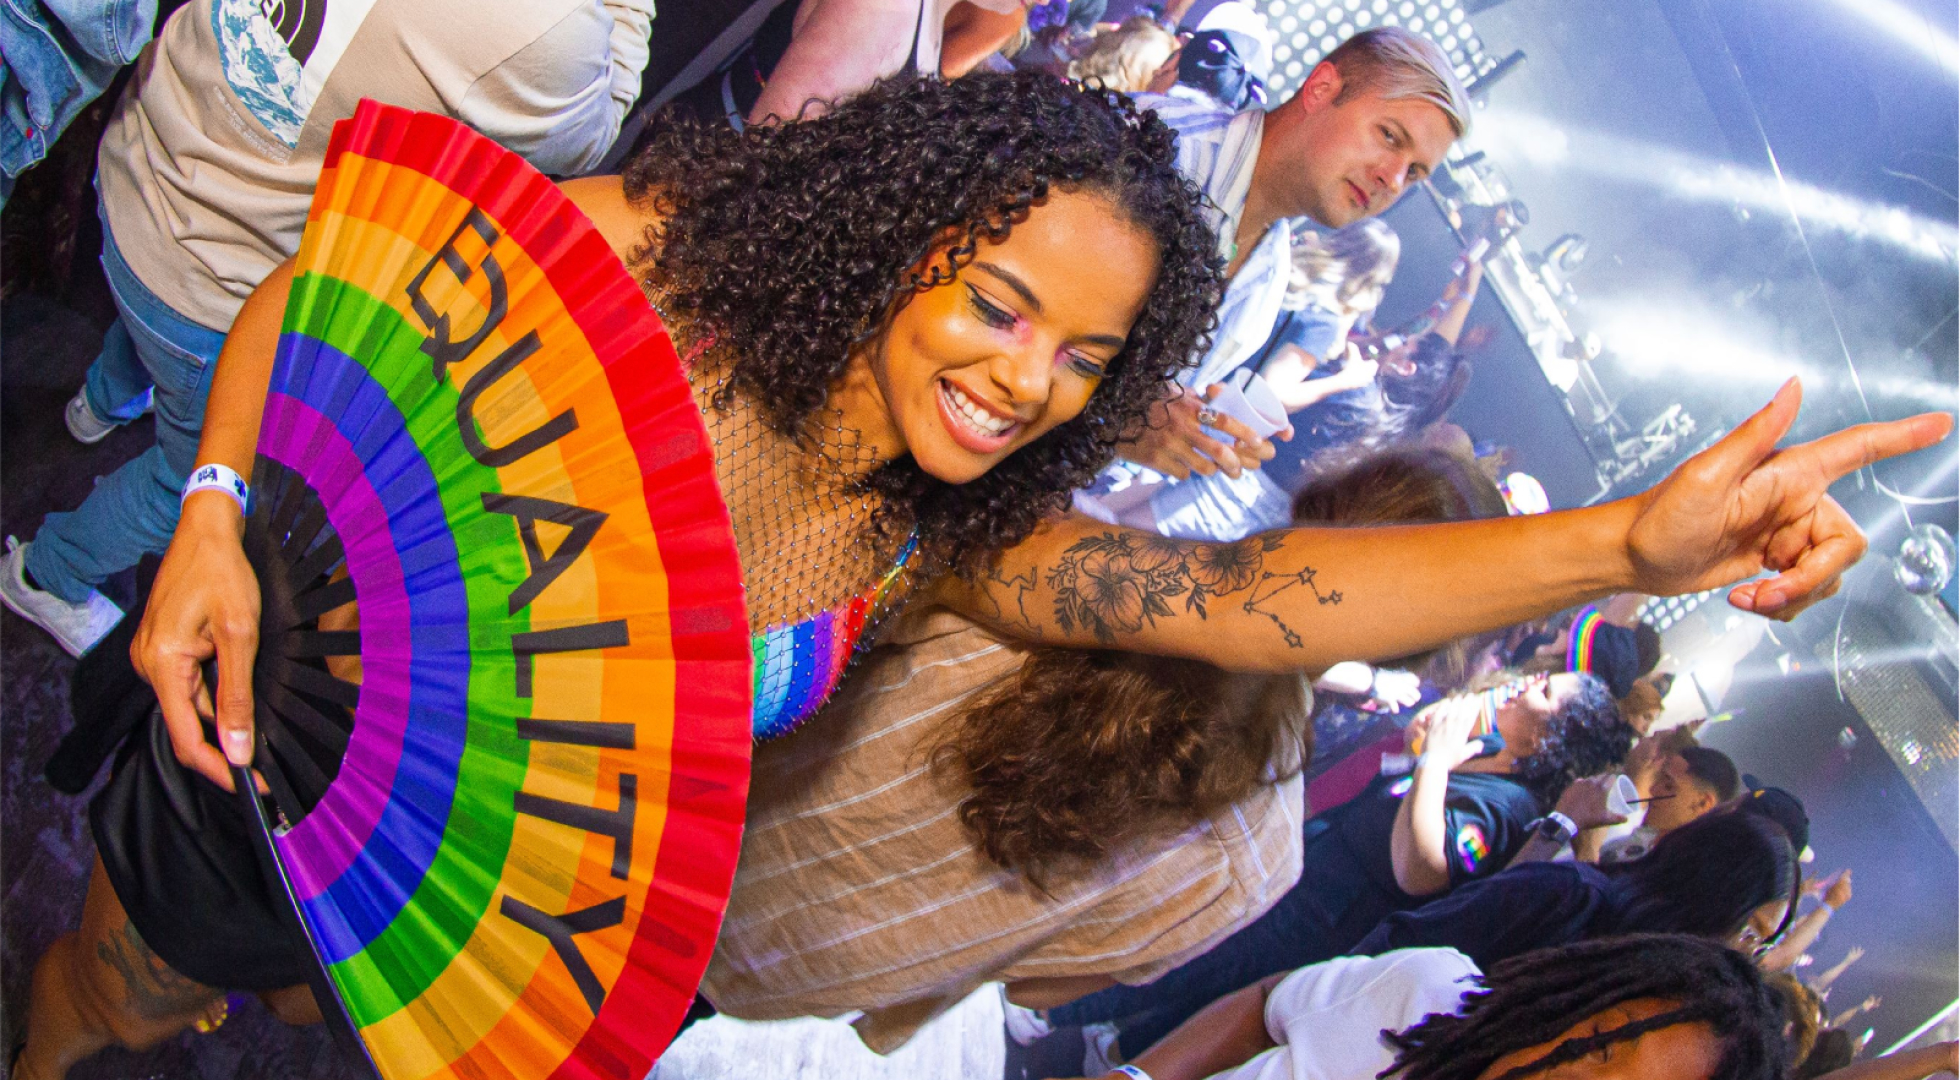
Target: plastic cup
x=1620, y=799
x=1251, y=402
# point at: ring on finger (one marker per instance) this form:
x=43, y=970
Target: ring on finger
x=1208, y=416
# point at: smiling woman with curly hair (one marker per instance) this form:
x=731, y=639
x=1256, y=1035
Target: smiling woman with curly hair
x=798, y=245
x=902, y=366
x=913, y=325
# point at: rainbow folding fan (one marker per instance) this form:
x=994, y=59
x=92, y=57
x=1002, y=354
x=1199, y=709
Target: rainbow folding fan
x=510, y=837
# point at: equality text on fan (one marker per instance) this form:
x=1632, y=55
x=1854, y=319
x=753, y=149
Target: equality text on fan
x=445, y=348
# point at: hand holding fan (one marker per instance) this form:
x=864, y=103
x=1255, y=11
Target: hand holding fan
x=512, y=839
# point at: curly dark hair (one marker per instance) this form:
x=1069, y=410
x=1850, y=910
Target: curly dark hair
x=794, y=245
x=1533, y=999
x=1586, y=736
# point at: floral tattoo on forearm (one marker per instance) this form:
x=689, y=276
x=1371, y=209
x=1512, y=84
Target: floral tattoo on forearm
x=1119, y=582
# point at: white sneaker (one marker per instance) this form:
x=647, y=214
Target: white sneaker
x=1100, y=1055
x=76, y=626
x=83, y=424
x=1025, y=1026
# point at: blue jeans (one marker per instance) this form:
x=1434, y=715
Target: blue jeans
x=132, y=511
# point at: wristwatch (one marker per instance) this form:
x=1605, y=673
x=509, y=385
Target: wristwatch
x=1556, y=828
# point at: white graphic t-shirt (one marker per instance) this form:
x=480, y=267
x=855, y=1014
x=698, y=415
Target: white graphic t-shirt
x=208, y=166
x=278, y=55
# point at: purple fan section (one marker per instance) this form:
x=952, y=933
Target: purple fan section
x=358, y=857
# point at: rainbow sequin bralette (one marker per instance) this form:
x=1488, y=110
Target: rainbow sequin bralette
x=799, y=664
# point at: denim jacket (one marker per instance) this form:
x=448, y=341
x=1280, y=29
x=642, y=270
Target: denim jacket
x=56, y=56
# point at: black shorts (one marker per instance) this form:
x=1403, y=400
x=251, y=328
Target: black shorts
x=178, y=849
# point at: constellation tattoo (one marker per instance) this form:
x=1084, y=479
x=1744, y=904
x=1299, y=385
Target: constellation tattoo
x=1271, y=585
x=1118, y=583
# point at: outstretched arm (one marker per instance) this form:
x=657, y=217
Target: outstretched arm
x=1804, y=933
x=1822, y=982
x=1293, y=600
x=1229, y=1032
x=1445, y=317
x=1455, y=303
x=1223, y=1035
x=1853, y=1012
x=1305, y=599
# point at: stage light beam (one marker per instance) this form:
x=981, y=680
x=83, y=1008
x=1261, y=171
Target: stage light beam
x=1518, y=135
x=1656, y=338
x=1909, y=28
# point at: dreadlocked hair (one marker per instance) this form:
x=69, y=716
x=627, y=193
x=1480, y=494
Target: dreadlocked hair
x=794, y=244
x=1535, y=998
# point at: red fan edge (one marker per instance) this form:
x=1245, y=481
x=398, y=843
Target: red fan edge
x=711, y=622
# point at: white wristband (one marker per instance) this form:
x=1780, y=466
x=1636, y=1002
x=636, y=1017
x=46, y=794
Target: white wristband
x=1570, y=826
x=1130, y=1071
x=218, y=478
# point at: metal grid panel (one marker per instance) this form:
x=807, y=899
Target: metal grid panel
x=1913, y=721
x=1306, y=30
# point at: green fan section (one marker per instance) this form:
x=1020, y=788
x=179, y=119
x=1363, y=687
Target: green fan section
x=453, y=896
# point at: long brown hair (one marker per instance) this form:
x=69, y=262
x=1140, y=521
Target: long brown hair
x=1086, y=751
x=1803, y=1013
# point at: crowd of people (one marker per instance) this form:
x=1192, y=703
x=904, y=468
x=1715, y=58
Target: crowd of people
x=1225, y=709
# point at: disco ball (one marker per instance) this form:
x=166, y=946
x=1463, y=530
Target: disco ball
x=1925, y=560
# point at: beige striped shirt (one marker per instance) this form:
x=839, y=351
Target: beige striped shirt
x=858, y=888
